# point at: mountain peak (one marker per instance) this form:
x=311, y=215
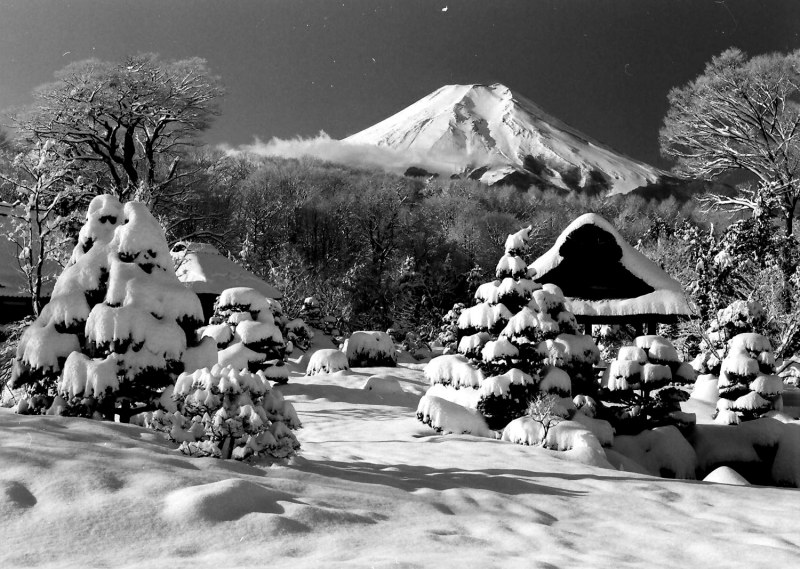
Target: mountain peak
x=498, y=136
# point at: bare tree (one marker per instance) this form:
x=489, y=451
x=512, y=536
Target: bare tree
x=45, y=190
x=128, y=122
x=543, y=410
x=742, y=114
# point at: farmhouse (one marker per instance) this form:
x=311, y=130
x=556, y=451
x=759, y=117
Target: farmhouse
x=208, y=272
x=606, y=280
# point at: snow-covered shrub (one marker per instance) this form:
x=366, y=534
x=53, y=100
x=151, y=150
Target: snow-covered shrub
x=448, y=332
x=739, y=317
x=370, y=348
x=642, y=386
x=327, y=361
x=748, y=386
x=446, y=417
x=299, y=334
x=119, y=326
x=226, y=412
x=249, y=331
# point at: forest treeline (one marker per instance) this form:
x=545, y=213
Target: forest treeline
x=379, y=250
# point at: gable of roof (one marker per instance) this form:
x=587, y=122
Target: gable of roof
x=604, y=276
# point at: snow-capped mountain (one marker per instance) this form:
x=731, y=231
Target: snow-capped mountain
x=491, y=133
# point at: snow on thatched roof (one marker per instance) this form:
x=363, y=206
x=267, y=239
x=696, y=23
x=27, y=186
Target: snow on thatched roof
x=603, y=276
x=205, y=270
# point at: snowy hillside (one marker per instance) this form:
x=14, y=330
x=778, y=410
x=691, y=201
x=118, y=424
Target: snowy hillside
x=496, y=135
x=371, y=487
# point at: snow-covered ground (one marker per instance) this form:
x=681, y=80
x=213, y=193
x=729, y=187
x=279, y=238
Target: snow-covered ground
x=372, y=487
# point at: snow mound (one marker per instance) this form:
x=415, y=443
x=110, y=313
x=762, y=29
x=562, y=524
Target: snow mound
x=222, y=501
x=327, y=360
x=524, y=431
x=370, y=348
x=555, y=380
x=446, y=417
x=239, y=356
x=663, y=451
x=453, y=369
x=472, y=345
x=383, y=385
x=245, y=298
x=726, y=475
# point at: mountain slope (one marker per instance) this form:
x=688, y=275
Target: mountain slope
x=493, y=134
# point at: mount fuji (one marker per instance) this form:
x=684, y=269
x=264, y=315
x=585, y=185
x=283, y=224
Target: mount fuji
x=492, y=134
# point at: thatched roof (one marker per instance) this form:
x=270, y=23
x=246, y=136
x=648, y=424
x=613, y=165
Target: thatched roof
x=605, y=279
x=206, y=271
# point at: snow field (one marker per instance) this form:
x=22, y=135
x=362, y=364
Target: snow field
x=368, y=469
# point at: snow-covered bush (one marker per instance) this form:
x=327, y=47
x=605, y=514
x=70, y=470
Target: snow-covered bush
x=446, y=417
x=642, y=386
x=748, y=386
x=370, y=348
x=226, y=412
x=327, y=361
x=249, y=331
x=739, y=317
x=448, y=332
x=119, y=326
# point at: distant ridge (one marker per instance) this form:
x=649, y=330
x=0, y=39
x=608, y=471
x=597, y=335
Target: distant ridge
x=492, y=134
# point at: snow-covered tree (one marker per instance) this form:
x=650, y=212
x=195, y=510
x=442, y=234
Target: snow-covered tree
x=642, y=387
x=45, y=190
x=226, y=412
x=127, y=122
x=119, y=326
x=512, y=345
x=748, y=386
x=741, y=115
x=247, y=328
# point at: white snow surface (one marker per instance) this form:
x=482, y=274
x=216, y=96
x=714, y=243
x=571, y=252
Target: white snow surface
x=373, y=487
x=667, y=297
x=459, y=127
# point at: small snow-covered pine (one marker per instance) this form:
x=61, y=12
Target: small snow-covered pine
x=748, y=386
x=252, y=333
x=504, y=341
x=225, y=412
x=642, y=386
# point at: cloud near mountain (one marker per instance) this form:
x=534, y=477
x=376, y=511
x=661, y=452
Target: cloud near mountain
x=365, y=155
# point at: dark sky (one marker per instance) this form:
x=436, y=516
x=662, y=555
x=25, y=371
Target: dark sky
x=295, y=67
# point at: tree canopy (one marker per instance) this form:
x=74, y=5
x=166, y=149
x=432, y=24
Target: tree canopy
x=742, y=114
x=127, y=122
